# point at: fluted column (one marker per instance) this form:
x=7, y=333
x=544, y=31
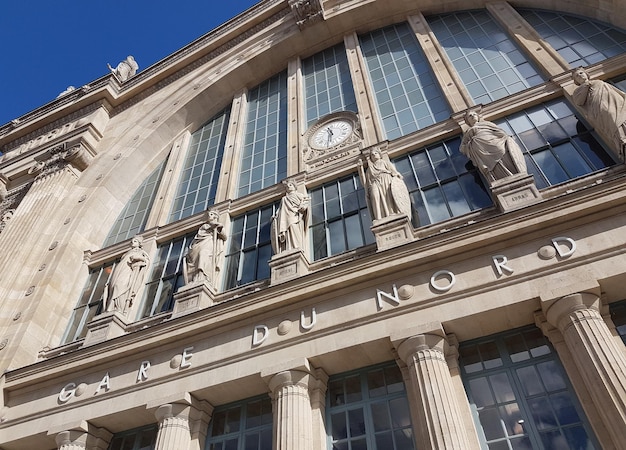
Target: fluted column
x=434, y=410
x=183, y=421
x=601, y=363
x=291, y=406
x=71, y=440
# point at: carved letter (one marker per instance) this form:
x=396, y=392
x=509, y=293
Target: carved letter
x=380, y=294
x=261, y=330
x=570, y=243
x=499, y=261
x=105, y=383
x=313, y=320
x=184, y=362
x=142, y=375
x=67, y=392
x=446, y=273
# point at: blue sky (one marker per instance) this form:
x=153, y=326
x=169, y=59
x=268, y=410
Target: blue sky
x=48, y=45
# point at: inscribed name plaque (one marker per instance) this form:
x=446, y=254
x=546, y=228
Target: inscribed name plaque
x=288, y=265
x=515, y=192
x=193, y=297
x=392, y=231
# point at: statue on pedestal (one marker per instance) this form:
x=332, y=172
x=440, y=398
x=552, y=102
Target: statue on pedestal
x=605, y=107
x=289, y=222
x=125, y=69
x=127, y=278
x=490, y=149
x=387, y=193
x=201, y=262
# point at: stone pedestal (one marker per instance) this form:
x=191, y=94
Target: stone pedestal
x=392, y=231
x=596, y=354
x=435, y=411
x=193, y=297
x=105, y=326
x=291, y=406
x=287, y=266
x=515, y=192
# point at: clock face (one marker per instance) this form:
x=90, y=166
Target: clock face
x=331, y=134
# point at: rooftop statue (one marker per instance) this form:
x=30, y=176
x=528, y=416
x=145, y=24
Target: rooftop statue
x=289, y=222
x=490, y=149
x=66, y=91
x=386, y=192
x=202, y=258
x=125, y=69
x=605, y=107
x=126, y=279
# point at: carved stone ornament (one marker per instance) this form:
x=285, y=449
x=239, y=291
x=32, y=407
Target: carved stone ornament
x=306, y=12
x=331, y=135
x=289, y=224
x=202, y=261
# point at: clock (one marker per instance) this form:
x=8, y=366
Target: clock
x=331, y=134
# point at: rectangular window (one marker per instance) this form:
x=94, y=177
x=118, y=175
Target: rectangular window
x=556, y=144
x=368, y=409
x=250, y=247
x=407, y=94
x=243, y=426
x=143, y=438
x=486, y=59
x=442, y=183
x=166, y=277
x=264, y=152
x=340, y=220
x=198, y=182
x=520, y=394
x=618, y=316
x=327, y=84
x=90, y=303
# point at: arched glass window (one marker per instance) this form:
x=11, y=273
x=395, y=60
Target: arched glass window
x=407, y=96
x=133, y=217
x=327, y=84
x=368, y=409
x=488, y=62
x=578, y=40
x=520, y=394
x=198, y=181
x=264, y=152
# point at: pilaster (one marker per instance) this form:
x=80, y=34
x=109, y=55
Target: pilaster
x=596, y=355
x=82, y=436
x=435, y=410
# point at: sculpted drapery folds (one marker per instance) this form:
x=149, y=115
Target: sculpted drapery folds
x=386, y=192
x=202, y=258
x=605, y=107
x=289, y=222
x=490, y=149
x=127, y=278
x=125, y=68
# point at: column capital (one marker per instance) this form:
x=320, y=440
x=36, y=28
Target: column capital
x=559, y=312
x=82, y=436
x=430, y=336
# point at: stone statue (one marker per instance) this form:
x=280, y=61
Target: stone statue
x=289, y=222
x=386, y=192
x=66, y=91
x=126, y=279
x=490, y=149
x=202, y=258
x=605, y=107
x=125, y=69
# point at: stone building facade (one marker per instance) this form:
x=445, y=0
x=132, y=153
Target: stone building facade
x=327, y=224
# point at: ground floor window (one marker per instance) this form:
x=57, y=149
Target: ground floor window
x=244, y=425
x=368, y=410
x=618, y=315
x=520, y=394
x=143, y=438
